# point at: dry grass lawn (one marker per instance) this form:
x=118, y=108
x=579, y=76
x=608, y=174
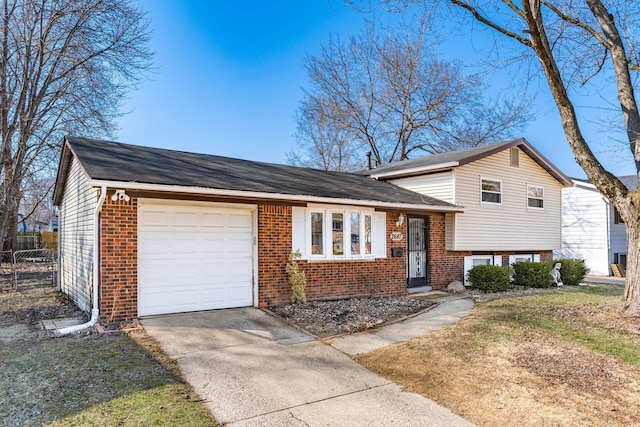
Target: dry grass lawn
x=562, y=359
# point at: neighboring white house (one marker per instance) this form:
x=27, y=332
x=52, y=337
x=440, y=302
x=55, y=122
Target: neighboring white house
x=591, y=227
x=510, y=192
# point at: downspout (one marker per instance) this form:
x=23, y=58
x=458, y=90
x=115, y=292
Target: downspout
x=95, y=311
x=607, y=205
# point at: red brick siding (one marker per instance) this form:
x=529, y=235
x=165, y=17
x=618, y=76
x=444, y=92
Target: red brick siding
x=118, y=260
x=325, y=279
x=444, y=266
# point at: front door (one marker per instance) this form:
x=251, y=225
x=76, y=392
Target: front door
x=417, y=252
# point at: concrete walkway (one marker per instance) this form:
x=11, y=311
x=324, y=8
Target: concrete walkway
x=251, y=369
x=451, y=308
x=604, y=280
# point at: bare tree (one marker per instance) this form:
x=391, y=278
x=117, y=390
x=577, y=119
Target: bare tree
x=388, y=92
x=36, y=205
x=575, y=42
x=65, y=66
x=320, y=143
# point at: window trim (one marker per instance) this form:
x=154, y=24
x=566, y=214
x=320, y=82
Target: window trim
x=482, y=191
x=536, y=208
x=328, y=233
x=617, y=218
x=512, y=258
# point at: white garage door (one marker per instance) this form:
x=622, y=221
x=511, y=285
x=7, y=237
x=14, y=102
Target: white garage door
x=193, y=258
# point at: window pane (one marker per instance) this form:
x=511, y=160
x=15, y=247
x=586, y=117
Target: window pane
x=535, y=197
x=355, y=234
x=536, y=203
x=492, y=197
x=491, y=191
x=481, y=261
x=535, y=192
x=337, y=234
x=367, y=234
x=490, y=185
x=317, y=236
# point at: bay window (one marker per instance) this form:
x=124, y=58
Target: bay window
x=325, y=233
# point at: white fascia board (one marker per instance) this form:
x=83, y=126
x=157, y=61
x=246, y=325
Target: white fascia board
x=276, y=196
x=584, y=185
x=413, y=171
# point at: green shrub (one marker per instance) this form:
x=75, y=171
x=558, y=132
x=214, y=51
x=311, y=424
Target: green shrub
x=532, y=274
x=572, y=271
x=490, y=278
x=297, y=278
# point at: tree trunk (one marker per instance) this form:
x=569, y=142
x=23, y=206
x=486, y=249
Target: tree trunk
x=631, y=301
x=11, y=230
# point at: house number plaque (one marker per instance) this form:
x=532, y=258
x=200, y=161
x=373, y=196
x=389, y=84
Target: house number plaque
x=396, y=236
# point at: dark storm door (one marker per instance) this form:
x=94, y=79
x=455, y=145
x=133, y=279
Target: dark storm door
x=417, y=252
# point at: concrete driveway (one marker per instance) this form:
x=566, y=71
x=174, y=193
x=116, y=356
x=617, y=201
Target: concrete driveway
x=253, y=370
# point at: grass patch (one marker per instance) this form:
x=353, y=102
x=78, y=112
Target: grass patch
x=122, y=380
x=561, y=358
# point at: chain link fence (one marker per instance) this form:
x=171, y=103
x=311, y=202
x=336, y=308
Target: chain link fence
x=7, y=276
x=27, y=268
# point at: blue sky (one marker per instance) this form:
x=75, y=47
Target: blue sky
x=229, y=78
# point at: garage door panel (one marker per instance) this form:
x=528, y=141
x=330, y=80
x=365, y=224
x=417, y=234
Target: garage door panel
x=185, y=219
x=153, y=245
x=213, y=245
x=239, y=294
x=155, y=217
x=241, y=221
x=213, y=220
x=184, y=246
x=194, y=258
x=240, y=245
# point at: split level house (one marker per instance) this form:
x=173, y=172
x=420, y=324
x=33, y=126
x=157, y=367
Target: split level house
x=592, y=228
x=511, y=194
x=145, y=231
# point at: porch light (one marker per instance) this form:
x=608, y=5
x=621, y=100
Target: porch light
x=120, y=195
x=400, y=220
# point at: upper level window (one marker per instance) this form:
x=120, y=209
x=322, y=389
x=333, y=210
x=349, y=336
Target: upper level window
x=535, y=196
x=617, y=219
x=491, y=191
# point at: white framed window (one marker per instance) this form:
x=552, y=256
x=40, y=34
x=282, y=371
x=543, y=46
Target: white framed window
x=535, y=197
x=524, y=258
x=471, y=261
x=326, y=233
x=317, y=233
x=491, y=191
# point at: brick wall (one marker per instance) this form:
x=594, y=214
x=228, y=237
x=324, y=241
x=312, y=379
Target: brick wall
x=443, y=266
x=118, y=260
x=325, y=279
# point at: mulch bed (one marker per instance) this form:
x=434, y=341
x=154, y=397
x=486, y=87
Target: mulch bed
x=329, y=318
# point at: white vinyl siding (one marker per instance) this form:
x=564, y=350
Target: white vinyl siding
x=76, y=234
x=584, y=228
x=618, y=236
x=438, y=185
x=511, y=225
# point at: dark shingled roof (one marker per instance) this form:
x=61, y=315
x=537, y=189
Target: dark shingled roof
x=630, y=181
x=113, y=161
x=465, y=156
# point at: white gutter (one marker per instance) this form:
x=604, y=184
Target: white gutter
x=261, y=195
x=95, y=311
x=411, y=171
